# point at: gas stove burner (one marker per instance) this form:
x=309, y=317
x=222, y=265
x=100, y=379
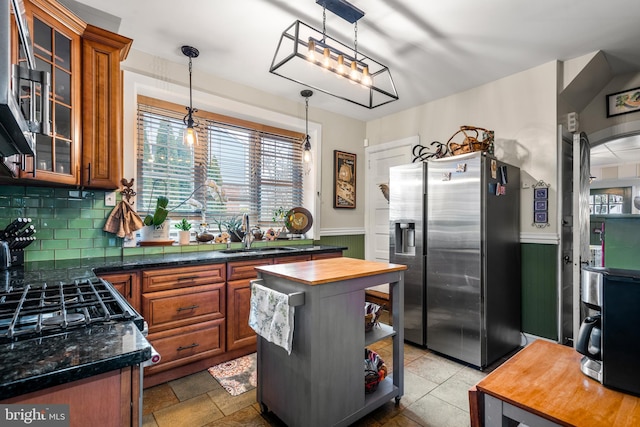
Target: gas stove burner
x=36, y=310
x=67, y=300
x=64, y=321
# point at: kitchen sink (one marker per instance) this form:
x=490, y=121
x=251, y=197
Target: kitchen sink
x=254, y=250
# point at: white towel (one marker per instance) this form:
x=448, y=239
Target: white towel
x=271, y=316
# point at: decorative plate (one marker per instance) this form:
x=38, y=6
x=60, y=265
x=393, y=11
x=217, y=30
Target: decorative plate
x=298, y=220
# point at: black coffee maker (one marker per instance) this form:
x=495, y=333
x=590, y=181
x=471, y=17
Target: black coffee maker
x=609, y=337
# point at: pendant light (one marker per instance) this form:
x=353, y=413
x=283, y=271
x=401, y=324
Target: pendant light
x=338, y=69
x=306, y=155
x=190, y=136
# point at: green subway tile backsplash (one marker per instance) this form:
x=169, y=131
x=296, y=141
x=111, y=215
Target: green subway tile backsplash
x=67, y=226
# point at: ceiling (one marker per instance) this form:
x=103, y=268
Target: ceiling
x=433, y=49
x=620, y=151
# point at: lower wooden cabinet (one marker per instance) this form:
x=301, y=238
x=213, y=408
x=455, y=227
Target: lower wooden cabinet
x=239, y=276
x=190, y=343
x=198, y=316
x=108, y=399
x=128, y=284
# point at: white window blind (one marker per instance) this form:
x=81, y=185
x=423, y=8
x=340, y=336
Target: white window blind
x=237, y=167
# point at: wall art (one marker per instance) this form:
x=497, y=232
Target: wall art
x=344, y=180
x=627, y=101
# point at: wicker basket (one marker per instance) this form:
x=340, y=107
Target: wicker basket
x=374, y=370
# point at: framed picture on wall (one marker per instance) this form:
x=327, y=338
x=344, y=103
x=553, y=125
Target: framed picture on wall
x=540, y=193
x=540, y=205
x=540, y=217
x=344, y=180
x=627, y=101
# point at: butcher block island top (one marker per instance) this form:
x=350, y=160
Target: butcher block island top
x=329, y=270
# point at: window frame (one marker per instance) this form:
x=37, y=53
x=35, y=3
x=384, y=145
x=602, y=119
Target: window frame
x=211, y=118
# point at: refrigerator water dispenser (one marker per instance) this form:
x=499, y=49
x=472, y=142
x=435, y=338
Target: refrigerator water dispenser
x=405, y=234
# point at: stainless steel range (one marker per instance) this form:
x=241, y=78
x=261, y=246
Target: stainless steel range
x=43, y=309
x=71, y=331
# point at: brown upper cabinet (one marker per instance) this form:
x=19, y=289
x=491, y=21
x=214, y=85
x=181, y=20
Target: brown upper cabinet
x=85, y=145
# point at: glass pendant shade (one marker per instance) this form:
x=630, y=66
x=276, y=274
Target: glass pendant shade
x=306, y=155
x=190, y=136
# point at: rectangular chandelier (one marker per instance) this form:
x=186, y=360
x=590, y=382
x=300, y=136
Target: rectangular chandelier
x=311, y=58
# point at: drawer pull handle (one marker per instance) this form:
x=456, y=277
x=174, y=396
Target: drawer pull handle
x=191, y=307
x=188, y=278
x=187, y=347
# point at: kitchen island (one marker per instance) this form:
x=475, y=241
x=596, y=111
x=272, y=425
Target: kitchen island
x=321, y=383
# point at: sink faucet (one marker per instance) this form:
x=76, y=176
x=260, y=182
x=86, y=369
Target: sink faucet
x=248, y=237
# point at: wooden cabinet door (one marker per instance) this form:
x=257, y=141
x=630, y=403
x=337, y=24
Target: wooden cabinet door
x=128, y=284
x=239, y=333
x=56, y=33
x=102, y=52
x=291, y=258
x=239, y=276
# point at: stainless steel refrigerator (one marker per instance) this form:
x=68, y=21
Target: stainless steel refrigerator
x=407, y=192
x=473, y=258
x=462, y=286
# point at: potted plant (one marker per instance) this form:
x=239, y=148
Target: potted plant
x=280, y=219
x=155, y=228
x=184, y=233
x=234, y=228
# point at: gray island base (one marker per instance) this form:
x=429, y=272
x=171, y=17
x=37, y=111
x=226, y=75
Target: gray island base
x=322, y=382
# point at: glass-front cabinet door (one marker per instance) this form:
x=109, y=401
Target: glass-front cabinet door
x=56, y=48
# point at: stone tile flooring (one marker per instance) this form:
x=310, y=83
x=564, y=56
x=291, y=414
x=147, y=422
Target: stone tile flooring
x=435, y=395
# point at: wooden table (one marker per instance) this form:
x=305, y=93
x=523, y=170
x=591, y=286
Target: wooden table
x=542, y=385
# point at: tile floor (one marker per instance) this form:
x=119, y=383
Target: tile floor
x=435, y=395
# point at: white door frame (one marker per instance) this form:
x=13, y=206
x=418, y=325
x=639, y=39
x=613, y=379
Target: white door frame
x=409, y=142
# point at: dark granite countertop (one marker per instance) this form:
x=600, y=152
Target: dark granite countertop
x=44, y=362
x=38, y=363
x=68, y=270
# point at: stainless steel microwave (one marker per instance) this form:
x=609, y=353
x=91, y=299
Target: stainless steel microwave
x=24, y=93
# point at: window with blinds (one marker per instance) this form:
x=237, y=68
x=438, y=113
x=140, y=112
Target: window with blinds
x=237, y=167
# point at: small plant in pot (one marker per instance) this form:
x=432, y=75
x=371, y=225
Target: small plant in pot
x=184, y=235
x=234, y=228
x=155, y=226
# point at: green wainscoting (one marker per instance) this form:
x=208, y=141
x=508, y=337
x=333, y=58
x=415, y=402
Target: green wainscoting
x=622, y=243
x=539, y=290
x=355, y=243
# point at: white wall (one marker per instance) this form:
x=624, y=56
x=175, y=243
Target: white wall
x=520, y=108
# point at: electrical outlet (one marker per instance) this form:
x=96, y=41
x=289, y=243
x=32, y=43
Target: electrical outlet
x=110, y=198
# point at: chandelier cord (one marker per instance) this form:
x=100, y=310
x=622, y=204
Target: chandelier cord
x=355, y=40
x=190, y=88
x=324, y=24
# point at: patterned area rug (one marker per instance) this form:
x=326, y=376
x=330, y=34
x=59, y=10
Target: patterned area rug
x=237, y=376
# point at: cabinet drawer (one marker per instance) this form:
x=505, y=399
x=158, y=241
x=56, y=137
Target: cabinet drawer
x=291, y=258
x=327, y=255
x=245, y=269
x=180, y=277
x=180, y=307
x=187, y=344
